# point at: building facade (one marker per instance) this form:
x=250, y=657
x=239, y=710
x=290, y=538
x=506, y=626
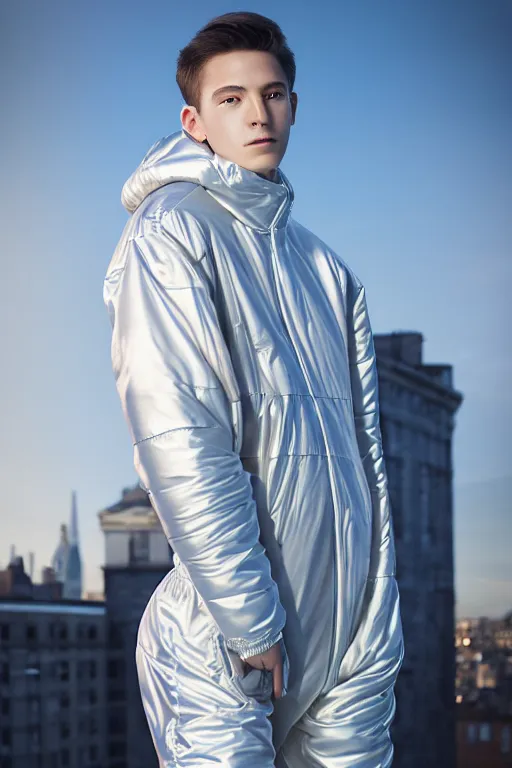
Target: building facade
x=484, y=738
x=137, y=557
x=52, y=684
x=418, y=405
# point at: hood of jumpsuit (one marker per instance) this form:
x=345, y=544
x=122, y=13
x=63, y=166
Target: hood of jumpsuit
x=259, y=203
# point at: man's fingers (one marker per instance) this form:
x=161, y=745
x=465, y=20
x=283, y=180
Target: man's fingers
x=277, y=677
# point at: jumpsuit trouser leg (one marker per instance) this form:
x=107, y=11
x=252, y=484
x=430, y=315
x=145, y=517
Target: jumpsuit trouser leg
x=348, y=727
x=198, y=713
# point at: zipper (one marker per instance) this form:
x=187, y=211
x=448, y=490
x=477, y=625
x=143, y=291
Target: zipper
x=334, y=495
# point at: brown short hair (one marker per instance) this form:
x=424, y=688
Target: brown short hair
x=239, y=31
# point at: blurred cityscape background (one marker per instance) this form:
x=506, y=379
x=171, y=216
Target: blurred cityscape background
x=401, y=160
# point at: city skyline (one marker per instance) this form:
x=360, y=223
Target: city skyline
x=500, y=610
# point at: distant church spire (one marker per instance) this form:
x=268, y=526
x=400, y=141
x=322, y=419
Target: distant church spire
x=66, y=561
x=73, y=524
x=73, y=574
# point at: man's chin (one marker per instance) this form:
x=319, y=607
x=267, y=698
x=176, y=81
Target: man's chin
x=265, y=165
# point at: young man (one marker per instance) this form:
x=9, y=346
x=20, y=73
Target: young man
x=244, y=361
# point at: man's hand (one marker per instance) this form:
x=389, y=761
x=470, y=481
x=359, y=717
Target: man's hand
x=271, y=660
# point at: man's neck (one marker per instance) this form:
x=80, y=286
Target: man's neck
x=270, y=176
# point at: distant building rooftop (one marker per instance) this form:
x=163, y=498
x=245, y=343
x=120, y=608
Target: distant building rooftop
x=131, y=497
x=77, y=607
x=403, y=351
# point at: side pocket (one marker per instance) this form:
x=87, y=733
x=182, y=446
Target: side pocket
x=253, y=686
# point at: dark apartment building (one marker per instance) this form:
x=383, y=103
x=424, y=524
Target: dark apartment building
x=418, y=405
x=52, y=684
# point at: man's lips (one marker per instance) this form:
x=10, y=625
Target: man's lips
x=263, y=140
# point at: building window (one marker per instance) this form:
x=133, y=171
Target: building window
x=5, y=632
x=115, y=668
x=58, y=631
x=117, y=723
x=485, y=732
x=6, y=737
x=92, y=632
x=116, y=749
x=64, y=701
x=31, y=633
x=6, y=707
x=33, y=668
x=64, y=757
x=441, y=482
x=63, y=671
x=92, y=669
x=116, y=694
x=471, y=733
x=505, y=739
x=138, y=547
x=395, y=472
x=93, y=753
x=35, y=741
x=64, y=730
x=425, y=503
x=34, y=706
x=115, y=636
x=93, y=696
x=4, y=673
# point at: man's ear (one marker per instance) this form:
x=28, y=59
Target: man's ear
x=191, y=122
x=294, y=101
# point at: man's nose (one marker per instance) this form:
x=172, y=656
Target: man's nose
x=258, y=113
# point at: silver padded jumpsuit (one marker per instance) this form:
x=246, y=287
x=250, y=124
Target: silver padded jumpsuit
x=244, y=360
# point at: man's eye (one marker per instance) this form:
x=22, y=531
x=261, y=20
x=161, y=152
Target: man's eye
x=275, y=94
x=229, y=100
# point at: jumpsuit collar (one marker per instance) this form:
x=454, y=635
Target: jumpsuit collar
x=259, y=203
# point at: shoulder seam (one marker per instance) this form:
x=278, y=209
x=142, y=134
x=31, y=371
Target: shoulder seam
x=181, y=200
x=154, y=225
x=165, y=211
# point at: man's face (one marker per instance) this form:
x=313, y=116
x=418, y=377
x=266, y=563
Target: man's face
x=244, y=98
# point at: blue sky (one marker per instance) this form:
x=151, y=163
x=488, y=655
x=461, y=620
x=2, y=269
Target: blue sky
x=401, y=160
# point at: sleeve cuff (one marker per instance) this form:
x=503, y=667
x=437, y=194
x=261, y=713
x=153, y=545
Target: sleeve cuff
x=245, y=648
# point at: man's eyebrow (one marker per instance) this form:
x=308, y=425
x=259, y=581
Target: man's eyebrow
x=241, y=89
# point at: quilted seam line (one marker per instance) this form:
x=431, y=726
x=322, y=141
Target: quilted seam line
x=177, y=429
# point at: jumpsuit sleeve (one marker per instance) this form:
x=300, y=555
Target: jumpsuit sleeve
x=180, y=398
x=365, y=398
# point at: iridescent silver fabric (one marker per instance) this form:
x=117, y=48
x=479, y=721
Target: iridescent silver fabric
x=244, y=361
